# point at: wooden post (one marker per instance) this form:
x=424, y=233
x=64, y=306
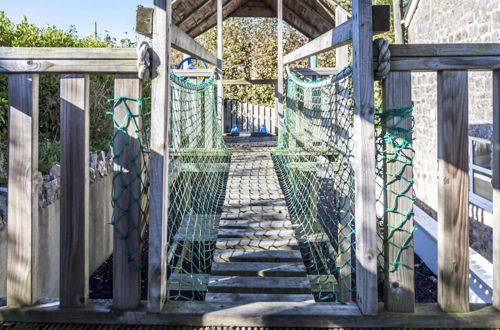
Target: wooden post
x=364, y=151
x=220, y=56
x=496, y=189
x=23, y=187
x=398, y=27
x=399, y=286
x=74, y=271
x=342, y=53
x=157, y=272
x=453, y=191
x=280, y=87
x=127, y=188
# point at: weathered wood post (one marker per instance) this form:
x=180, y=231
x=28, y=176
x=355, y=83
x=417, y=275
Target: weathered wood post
x=281, y=73
x=127, y=188
x=220, y=56
x=157, y=272
x=364, y=151
x=23, y=187
x=399, y=286
x=496, y=188
x=453, y=191
x=74, y=271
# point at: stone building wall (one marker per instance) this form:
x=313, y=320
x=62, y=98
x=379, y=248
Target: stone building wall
x=451, y=21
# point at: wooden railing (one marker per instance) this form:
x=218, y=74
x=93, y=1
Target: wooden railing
x=248, y=117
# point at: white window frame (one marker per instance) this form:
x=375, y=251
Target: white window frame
x=474, y=198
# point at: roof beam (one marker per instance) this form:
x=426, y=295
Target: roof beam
x=295, y=20
x=180, y=40
x=229, y=8
x=307, y=10
x=254, y=8
x=340, y=36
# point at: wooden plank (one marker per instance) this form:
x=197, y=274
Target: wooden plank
x=280, y=86
x=68, y=66
x=341, y=53
x=220, y=57
x=198, y=73
x=253, y=9
x=227, y=116
x=254, y=224
x=453, y=191
x=74, y=235
x=144, y=21
x=364, y=165
x=445, y=50
x=126, y=188
x=262, y=269
x=252, y=233
x=496, y=189
x=445, y=63
x=249, y=243
x=249, y=81
x=256, y=297
x=235, y=255
x=315, y=71
x=158, y=210
x=399, y=286
x=280, y=314
x=23, y=187
x=66, y=53
x=251, y=284
x=339, y=36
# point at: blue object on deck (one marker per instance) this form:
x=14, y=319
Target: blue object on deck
x=263, y=129
x=234, y=130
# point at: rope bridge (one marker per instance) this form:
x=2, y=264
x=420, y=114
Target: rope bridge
x=314, y=162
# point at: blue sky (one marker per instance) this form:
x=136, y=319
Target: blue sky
x=116, y=16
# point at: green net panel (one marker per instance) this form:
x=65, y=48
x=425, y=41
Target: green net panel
x=198, y=168
x=314, y=162
x=396, y=197
x=130, y=199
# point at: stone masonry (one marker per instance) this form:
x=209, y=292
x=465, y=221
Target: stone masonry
x=451, y=21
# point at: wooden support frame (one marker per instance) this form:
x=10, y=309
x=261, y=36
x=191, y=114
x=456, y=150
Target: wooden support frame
x=74, y=235
x=341, y=53
x=280, y=86
x=340, y=36
x=453, y=191
x=364, y=150
x=126, y=267
x=220, y=57
x=180, y=39
x=496, y=189
x=399, y=286
x=157, y=272
x=24, y=181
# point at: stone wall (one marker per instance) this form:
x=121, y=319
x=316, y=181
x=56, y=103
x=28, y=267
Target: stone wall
x=451, y=21
x=46, y=240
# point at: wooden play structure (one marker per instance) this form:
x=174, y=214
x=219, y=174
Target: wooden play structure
x=174, y=24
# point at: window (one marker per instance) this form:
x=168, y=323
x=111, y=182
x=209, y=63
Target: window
x=480, y=188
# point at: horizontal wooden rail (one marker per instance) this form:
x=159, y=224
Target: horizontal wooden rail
x=68, y=60
x=180, y=39
x=315, y=71
x=249, y=81
x=339, y=36
x=194, y=73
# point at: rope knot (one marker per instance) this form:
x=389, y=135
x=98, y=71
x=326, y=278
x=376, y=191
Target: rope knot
x=384, y=58
x=143, y=60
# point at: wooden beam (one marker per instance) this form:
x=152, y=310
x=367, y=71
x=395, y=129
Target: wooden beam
x=364, y=164
x=194, y=73
x=158, y=209
x=307, y=11
x=281, y=73
x=341, y=53
x=453, y=191
x=127, y=188
x=263, y=315
x=315, y=71
x=249, y=81
x=294, y=20
x=220, y=57
x=339, y=36
x=399, y=285
x=444, y=50
x=23, y=187
x=74, y=235
x=254, y=8
x=481, y=63
x=496, y=189
x=207, y=23
x=180, y=39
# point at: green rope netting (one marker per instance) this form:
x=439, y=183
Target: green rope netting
x=130, y=199
x=199, y=165
x=396, y=197
x=314, y=162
